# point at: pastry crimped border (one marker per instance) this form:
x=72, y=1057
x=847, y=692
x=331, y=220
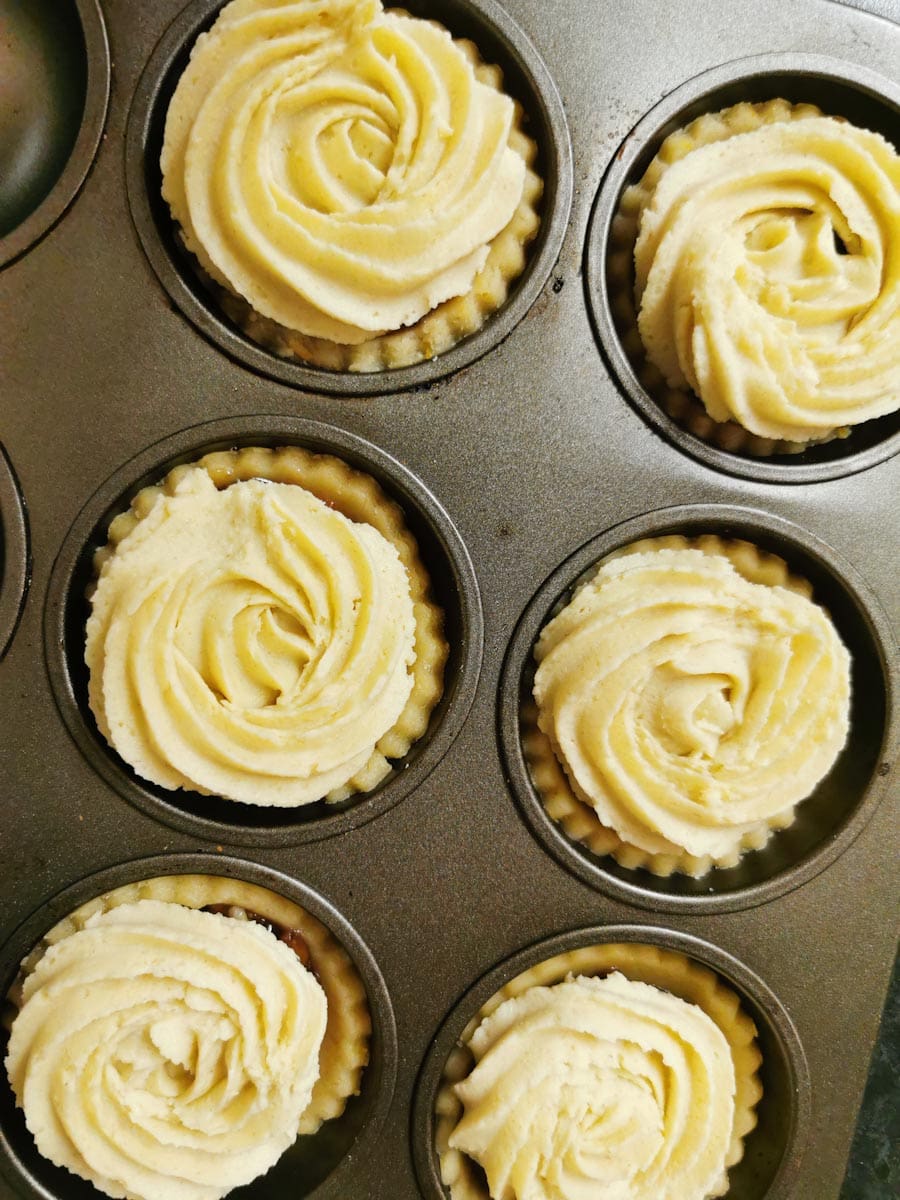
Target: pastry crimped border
x=344, y=1053
x=668, y=970
x=359, y=497
x=682, y=404
x=577, y=818
x=446, y=324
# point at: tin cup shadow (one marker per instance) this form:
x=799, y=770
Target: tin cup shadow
x=316, y=1165
x=499, y=41
x=772, y=1151
x=15, y=552
x=828, y=821
x=839, y=89
x=54, y=64
x=454, y=587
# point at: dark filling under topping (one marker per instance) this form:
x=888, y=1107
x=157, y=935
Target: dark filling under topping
x=292, y=938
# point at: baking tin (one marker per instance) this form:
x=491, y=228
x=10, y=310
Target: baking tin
x=526, y=78
x=50, y=137
x=453, y=584
x=833, y=815
x=313, y=1160
x=532, y=450
x=15, y=552
x=840, y=89
x=773, y=1151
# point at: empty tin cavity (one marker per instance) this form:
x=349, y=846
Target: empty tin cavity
x=499, y=41
x=15, y=554
x=54, y=62
x=772, y=1150
x=453, y=587
x=839, y=89
x=332, y=1152
x=826, y=822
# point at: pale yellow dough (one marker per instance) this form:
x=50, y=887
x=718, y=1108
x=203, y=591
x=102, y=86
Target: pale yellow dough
x=164, y=1053
x=252, y=643
x=690, y=707
x=339, y=167
x=600, y=1087
x=557, y=1087
x=744, y=294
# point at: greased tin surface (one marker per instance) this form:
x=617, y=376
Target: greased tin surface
x=519, y=459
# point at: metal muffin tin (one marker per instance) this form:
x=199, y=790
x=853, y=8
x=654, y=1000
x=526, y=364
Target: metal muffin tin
x=54, y=110
x=534, y=449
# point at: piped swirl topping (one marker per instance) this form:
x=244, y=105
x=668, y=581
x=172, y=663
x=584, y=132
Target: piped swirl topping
x=689, y=705
x=338, y=166
x=598, y=1088
x=164, y=1053
x=767, y=270
x=251, y=642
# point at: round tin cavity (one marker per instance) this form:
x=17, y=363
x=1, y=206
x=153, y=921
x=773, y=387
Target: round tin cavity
x=526, y=78
x=454, y=588
x=15, y=552
x=772, y=1150
x=314, y=1158
x=827, y=821
x=839, y=89
x=54, y=62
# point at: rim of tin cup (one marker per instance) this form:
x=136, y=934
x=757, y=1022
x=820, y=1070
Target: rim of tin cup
x=835, y=812
x=362, y=1119
x=84, y=149
x=857, y=93
x=454, y=586
x=15, y=552
x=784, y=1072
x=501, y=41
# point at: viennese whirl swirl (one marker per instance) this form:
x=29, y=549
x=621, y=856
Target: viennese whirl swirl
x=252, y=643
x=339, y=167
x=767, y=269
x=601, y=1088
x=166, y=1053
x=691, y=706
